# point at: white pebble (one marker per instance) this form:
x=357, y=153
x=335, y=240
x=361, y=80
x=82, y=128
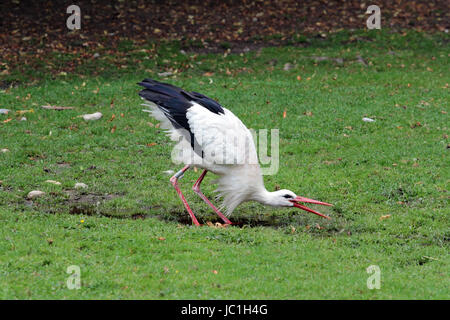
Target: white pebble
x=4, y=150
x=368, y=120
x=80, y=185
x=34, y=194
x=288, y=66
x=93, y=116
x=165, y=74
x=53, y=182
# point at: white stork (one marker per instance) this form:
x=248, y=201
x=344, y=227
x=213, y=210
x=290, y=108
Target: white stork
x=201, y=127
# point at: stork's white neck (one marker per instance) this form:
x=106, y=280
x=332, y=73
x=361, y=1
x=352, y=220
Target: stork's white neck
x=265, y=197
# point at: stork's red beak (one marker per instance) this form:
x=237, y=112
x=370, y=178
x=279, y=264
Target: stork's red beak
x=306, y=200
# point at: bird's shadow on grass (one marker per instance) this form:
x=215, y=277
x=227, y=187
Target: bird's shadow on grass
x=273, y=219
x=91, y=204
x=247, y=220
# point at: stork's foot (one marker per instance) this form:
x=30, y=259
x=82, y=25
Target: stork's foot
x=196, y=188
x=174, y=181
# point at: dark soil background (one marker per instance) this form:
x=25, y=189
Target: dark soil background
x=32, y=25
x=35, y=32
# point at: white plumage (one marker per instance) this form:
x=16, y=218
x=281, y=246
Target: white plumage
x=211, y=137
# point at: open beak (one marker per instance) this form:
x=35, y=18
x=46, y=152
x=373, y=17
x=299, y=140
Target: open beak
x=306, y=200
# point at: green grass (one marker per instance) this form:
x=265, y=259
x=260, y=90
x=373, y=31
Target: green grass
x=397, y=166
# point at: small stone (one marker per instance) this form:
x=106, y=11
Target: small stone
x=53, y=182
x=93, y=116
x=4, y=150
x=288, y=66
x=361, y=60
x=165, y=74
x=80, y=185
x=34, y=194
x=368, y=120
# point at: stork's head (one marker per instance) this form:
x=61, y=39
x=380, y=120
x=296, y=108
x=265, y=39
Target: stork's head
x=287, y=198
x=283, y=198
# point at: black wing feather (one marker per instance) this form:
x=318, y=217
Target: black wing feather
x=174, y=103
x=206, y=102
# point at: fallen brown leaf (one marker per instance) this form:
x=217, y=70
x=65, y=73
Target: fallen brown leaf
x=220, y=225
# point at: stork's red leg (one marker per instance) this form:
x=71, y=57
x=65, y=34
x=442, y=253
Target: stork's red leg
x=174, y=181
x=196, y=188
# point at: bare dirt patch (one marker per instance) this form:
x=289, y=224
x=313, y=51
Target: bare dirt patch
x=86, y=203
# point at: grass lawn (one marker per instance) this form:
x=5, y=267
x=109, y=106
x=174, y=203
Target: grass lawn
x=128, y=231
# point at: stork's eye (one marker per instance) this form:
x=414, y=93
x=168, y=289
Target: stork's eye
x=287, y=196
